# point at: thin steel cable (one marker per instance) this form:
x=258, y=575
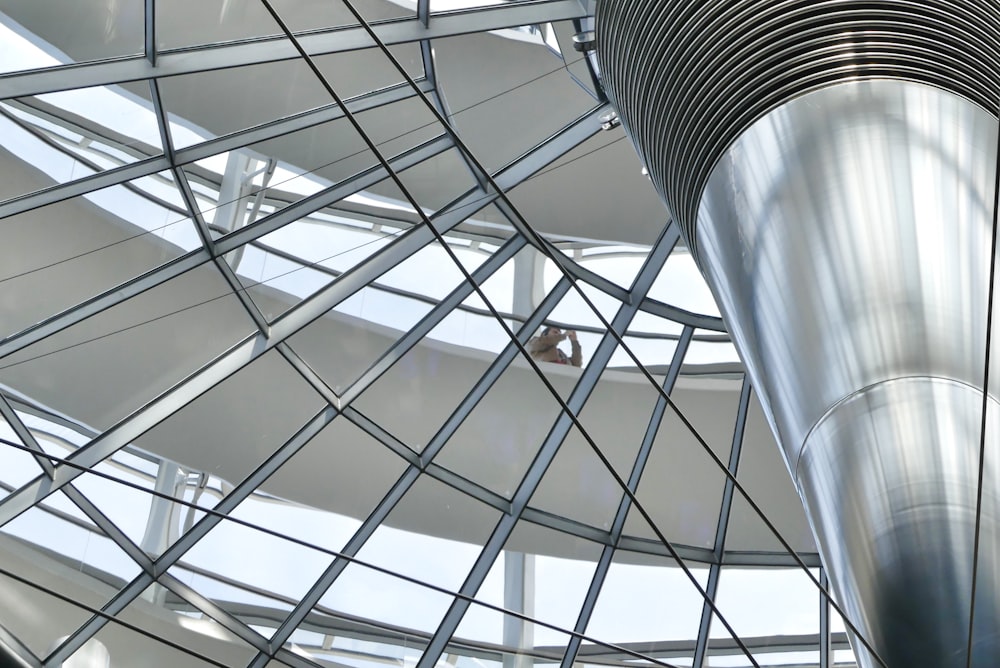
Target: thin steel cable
x=395, y=177
x=986, y=399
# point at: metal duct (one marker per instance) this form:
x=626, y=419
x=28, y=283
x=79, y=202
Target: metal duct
x=832, y=165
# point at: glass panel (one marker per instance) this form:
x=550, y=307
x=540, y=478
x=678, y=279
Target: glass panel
x=158, y=338
x=681, y=486
x=562, y=567
x=49, y=143
x=434, y=534
x=766, y=607
x=520, y=647
x=51, y=547
x=36, y=618
x=122, y=641
x=341, y=346
x=413, y=399
x=59, y=255
x=359, y=71
x=681, y=284
x=495, y=78
x=168, y=618
x=219, y=434
x=764, y=476
x=436, y=182
x=646, y=598
x=207, y=23
x=36, y=33
x=241, y=565
x=491, y=447
x=381, y=600
x=312, y=499
x=578, y=485
x=219, y=102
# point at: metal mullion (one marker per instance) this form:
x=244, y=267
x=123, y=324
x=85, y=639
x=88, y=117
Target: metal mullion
x=432, y=319
x=242, y=294
x=408, y=477
x=617, y=527
x=149, y=31
x=309, y=374
x=21, y=653
x=825, y=646
x=533, y=477
x=241, y=53
x=373, y=429
x=715, y=571
x=424, y=13
x=214, y=611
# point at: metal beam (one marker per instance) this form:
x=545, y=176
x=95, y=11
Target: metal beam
x=715, y=572
x=243, y=53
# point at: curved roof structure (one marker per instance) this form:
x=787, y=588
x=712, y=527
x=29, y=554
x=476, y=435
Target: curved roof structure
x=270, y=272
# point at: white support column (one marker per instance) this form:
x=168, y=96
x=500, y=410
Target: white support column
x=518, y=596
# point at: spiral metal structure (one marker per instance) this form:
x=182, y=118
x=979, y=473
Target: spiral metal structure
x=833, y=168
x=689, y=77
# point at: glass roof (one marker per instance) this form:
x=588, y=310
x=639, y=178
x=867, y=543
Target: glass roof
x=267, y=398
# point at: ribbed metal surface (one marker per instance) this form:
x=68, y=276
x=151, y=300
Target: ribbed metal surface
x=688, y=76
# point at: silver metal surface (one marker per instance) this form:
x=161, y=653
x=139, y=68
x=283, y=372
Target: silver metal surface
x=846, y=235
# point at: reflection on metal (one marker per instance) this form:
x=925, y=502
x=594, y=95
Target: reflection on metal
x=842, y=213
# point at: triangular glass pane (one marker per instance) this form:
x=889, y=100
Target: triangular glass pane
x=681, y=486
x=210, y=104
x=310, y=500
x=434, y=534
x=359, y=71
x=713, y=352
x=680, y=283
x=163, y=615
x=33, y=616
x=646, y=598
x=415, y=396
x=33, y=40
x=492, y=449
x=59, y=255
